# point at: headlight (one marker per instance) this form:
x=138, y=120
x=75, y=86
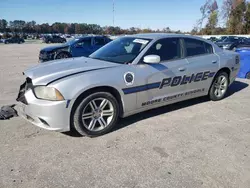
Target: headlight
x=48, y=93
x=227, y=45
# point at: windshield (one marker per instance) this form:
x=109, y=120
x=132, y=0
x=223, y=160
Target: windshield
x=70, y=42
x=122, y=50
x=230, y=39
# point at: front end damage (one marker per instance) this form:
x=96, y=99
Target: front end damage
x=50, y=115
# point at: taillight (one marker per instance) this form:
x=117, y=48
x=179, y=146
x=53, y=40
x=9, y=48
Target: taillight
x=237, y=60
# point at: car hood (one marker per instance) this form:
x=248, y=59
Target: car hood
x=52, y=48
x=45, y=73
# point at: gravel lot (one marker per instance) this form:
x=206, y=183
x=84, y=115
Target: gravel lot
x=197, y=143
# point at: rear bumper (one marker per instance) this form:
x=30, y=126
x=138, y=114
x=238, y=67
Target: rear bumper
x=50, y=115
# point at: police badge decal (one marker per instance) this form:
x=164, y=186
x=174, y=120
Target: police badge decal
x=129, y=78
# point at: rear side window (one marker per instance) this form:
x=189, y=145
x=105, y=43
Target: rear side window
x=196, y=47
x=208, y=48
x=167, y=49
x=99, y=41
x=84, y=42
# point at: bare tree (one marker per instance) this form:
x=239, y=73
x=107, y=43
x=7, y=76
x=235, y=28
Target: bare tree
x=205, y=11
x=227, y=7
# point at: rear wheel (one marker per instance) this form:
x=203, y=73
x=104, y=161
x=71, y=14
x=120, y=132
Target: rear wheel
x=219, y=86
x=248, y=75
x=96, y=114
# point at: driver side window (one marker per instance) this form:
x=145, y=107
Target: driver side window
x=167, y=49
x=84, y=43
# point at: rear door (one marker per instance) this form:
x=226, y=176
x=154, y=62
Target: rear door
x=203, y=64
x=162, y=82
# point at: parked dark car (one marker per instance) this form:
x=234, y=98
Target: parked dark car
x=223, y=38
x=54, y=39
x=213, y=39
x=74, y=48
x=14, y=40
x=244, y=44
x=231, y=43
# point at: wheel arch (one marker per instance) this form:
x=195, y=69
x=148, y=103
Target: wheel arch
x=108, y=89
x=224, y=69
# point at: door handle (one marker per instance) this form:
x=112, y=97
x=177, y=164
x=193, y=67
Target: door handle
x=182, y=69
x=214, y=62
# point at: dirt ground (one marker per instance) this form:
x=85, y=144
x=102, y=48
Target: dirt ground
x=197, y=143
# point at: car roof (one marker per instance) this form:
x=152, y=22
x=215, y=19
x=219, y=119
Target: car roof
x=155, y=36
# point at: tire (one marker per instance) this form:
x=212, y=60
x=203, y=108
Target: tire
x=62, y=55
x=219, y=86
x=248, y=75
x=95, y=123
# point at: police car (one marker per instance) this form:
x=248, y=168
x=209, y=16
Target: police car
x=128, y=75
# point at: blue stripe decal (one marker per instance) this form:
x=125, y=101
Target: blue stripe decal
x=67, y=104
x=141, y=88
x=211, y=74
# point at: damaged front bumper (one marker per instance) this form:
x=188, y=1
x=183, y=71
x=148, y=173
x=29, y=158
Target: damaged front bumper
x=50, y=115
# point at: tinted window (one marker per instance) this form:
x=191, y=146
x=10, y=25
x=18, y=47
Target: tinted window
x=167, y=49
x=100, y=41
x=196, y=47
x=84, y=42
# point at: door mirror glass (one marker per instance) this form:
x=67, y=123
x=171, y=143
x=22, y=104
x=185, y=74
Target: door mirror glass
x=152, y=59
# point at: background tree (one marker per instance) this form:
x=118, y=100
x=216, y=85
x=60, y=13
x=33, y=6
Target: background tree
x=236, y=22
x=247, y=19
x=3, y=25
x=205, y=10
x=212, y=23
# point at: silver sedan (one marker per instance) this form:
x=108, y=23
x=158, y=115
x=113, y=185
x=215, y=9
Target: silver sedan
x=129, y=75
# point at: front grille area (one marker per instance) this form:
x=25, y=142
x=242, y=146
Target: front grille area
x=43, y=55
x=23, y=88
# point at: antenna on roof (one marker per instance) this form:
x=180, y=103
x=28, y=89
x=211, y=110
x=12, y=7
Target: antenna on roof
x=113, y=13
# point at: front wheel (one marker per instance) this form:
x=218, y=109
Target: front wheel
x=219, y=86
x=96, y=114
x=62, y=55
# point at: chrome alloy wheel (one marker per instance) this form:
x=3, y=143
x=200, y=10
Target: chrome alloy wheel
x=220, y=86
x=97, y=114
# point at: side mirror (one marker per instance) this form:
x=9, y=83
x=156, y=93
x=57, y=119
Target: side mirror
x=152, y=59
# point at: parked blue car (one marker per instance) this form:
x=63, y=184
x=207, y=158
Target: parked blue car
x=244, y=62
x=83, y=46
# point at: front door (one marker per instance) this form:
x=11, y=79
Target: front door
x=83, y=47
x=162, y=83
